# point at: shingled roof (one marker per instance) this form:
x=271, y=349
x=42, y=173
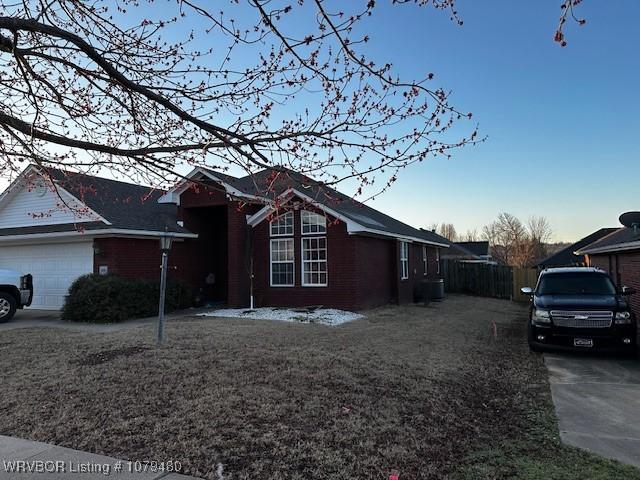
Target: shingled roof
x=125, y=206
x=619, y=239
x=479, y=248
x=566, y=257
x=272, y=183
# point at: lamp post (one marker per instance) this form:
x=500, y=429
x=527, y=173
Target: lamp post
x=165, y=246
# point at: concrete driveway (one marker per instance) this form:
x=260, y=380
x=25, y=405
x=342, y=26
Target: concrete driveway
x=32, y=318
x=597, y=401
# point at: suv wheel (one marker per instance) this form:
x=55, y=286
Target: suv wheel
x=532, y=346
x=8, y=307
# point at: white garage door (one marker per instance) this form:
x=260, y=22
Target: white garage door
x=54, y=267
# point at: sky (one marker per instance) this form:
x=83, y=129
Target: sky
x=562, y=124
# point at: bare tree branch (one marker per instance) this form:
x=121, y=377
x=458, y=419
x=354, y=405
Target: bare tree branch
x=122, y=86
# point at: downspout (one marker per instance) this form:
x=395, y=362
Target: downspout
x=249, y=264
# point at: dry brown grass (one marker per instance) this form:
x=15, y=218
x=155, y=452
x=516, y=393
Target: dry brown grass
x=409, y=388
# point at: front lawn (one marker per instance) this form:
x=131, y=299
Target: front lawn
x=437, y=392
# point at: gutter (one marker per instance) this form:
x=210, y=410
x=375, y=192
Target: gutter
x=76, y=235
x=620, y=247
x=353, y=227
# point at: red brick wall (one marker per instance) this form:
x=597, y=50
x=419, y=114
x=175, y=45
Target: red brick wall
x=237, y=259
x=376, y=278
x=363, y=272
x=406, y=288
x=341, y=291
x=599, y=261
x=201, y=196
x=624, y=269
x=235, y=229
x=140, y=258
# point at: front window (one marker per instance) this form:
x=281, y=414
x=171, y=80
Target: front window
x=282, y=262
x=576, y=284
x=424, y=259
x=312, y=223
x=404, y=260
x=282, y=225
x=314, y=261
x=438, y=260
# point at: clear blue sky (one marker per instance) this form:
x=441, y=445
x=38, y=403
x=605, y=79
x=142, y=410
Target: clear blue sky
x=562, y=123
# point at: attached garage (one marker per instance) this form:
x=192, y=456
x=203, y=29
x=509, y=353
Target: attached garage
x=54, y=268
x=49, y=224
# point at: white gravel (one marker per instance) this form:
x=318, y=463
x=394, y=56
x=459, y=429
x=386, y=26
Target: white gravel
x=324, y=316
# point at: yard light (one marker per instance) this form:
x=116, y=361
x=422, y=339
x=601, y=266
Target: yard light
x=165, y=245
x=165, y=242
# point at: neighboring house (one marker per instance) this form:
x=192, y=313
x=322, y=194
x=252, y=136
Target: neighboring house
x=302, y=243
x=567, y=257
x=456, y=252
x=480, y=249
x=469, y=252
x=618, y=254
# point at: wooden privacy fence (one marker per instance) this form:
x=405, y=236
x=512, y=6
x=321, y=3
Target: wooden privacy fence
x=478, y=279
x=497, y=281
x=523, y=277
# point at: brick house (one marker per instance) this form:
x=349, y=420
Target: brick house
x=567, y=256
x=301, y=242
x=469, y=252
x=618, y=253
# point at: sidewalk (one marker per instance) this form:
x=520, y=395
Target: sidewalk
x=50, y=462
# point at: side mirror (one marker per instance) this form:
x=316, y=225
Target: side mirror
x=527, y=290
x=628, y=290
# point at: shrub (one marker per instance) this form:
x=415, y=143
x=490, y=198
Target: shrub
x=109, y=298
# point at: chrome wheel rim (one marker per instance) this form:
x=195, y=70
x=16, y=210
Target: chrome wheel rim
x=5, y=307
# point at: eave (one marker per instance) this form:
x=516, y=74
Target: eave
x=619, y=247
x=353, y=227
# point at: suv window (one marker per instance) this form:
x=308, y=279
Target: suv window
x=575, y=284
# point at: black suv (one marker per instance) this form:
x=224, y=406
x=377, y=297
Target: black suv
x=579, y=308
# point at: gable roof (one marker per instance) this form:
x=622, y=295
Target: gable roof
x=478, y=248
x=268, y=185
x=458, y=251
x=619, y=239
x=567, y=256
x=125, y=205
x=122, y=206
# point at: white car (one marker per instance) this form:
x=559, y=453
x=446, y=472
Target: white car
x=16, y=292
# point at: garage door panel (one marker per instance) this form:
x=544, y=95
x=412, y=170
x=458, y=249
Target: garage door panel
x=54, y=268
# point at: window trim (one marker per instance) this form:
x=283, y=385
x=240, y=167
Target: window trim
x=293, y=262
x=438, y=261
x=326, y=261
x=404, y=275
x=302, y=232
x=425, y=260
x=293, y=225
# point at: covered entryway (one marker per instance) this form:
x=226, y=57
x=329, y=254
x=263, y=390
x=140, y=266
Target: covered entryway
x=210, y=275
x=54, y=268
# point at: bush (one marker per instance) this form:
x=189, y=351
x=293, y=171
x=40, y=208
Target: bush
x=109, y=298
